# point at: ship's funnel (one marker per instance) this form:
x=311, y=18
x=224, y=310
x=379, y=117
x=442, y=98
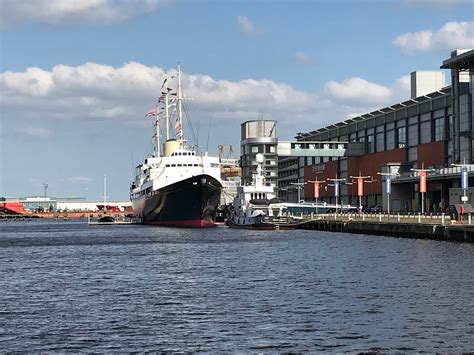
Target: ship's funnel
x=169, y=147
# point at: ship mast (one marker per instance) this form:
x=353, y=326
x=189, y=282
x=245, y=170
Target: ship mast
x=157, y=133
x=180, y=109
x=167, y=113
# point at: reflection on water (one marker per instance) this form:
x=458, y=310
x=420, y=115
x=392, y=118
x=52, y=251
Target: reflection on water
x=67, y=286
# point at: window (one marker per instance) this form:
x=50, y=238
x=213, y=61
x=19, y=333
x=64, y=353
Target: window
x=380, y=144
x=412, y=135
x=370, y=144
x=425, y=132
x=254, y=149
x=439, y=129
x=402, y=137
x=390, y=139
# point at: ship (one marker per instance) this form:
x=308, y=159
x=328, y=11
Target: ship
x=178, y=185
x=256, y=206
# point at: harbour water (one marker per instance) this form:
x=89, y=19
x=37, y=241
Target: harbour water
x=67, y=286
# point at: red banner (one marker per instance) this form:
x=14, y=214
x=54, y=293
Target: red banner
x=422, y=181
x=316, y=190
x=360, y=186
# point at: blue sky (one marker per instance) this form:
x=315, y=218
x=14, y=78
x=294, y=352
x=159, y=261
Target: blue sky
x=77, y=77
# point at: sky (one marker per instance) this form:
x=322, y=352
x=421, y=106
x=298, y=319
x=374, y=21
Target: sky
x=77, y=77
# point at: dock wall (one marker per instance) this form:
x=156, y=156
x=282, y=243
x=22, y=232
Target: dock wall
x=455, y=233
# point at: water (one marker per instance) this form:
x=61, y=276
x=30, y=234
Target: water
x=66, y=286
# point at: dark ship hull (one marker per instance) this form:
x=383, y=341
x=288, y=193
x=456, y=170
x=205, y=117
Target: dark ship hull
x=191, y=202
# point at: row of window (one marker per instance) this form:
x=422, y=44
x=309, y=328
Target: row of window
x=260, y=148
x=182, y=153
x=259, y=195
x=179, y=165
x=412, y=135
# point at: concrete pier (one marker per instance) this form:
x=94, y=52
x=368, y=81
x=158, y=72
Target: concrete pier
x=455, y=232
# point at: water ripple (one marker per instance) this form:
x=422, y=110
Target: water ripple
x=70, y=287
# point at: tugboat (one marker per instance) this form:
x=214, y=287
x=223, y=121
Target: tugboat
x=180, y=186
x=256, y=206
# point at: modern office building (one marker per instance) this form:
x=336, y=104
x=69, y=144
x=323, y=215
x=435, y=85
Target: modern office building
x=259, y=136
x=431, y=130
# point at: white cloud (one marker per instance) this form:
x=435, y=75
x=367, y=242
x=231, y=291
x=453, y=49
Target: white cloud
x=357, y=90
x=303, y=58
x=71, y=11
x=100, y=92
x=451, y=36
x=247, y=27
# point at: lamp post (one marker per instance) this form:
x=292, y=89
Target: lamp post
x=299, y=186
x=388, y=186
x=360, y=187
x=422, y=174
x=336, y=183
x=316, y=188
x=464, y=180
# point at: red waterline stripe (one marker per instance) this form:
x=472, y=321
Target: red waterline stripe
x=186, y=223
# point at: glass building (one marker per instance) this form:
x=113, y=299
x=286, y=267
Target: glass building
x=432, y=130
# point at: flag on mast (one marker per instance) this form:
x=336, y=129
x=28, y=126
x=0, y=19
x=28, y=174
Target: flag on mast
x=152, y=113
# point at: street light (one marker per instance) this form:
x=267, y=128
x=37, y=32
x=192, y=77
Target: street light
x=422, y=174
x=316, y=188
x=299, y=186
x=464, y=180
x=336, y=183
x=388, y=186
x=360, y=187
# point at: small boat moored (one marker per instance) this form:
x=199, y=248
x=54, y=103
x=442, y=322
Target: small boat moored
x=256, y=206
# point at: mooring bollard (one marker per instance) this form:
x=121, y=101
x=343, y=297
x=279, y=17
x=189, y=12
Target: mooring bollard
x=419, y=217
x=380, y=217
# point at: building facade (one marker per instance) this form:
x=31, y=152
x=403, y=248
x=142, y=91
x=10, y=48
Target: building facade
x=430, y=131
x=259, y=136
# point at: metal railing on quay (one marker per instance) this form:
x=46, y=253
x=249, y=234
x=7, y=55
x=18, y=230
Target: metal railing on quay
x=393, y=217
